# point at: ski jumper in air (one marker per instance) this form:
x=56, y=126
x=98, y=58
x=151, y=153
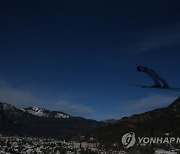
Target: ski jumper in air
x=153, y=75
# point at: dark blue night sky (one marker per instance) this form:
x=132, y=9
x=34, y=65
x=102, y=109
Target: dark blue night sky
x=78, y=56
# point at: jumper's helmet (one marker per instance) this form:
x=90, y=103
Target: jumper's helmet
x=139, y=68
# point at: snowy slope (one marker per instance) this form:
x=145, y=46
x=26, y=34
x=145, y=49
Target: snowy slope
x=45, y=113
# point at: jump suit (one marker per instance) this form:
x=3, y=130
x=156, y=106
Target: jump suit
x=153, y=75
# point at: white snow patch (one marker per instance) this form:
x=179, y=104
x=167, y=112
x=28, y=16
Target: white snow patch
x=23, y=110
x=38, y=112
x=60, y=115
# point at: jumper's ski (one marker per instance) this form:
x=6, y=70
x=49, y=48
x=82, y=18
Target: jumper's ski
x=166, y=88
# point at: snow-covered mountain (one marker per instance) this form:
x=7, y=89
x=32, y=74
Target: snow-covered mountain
x=45, y=113
x=39, y=122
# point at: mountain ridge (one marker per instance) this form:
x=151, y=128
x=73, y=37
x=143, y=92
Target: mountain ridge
x=45, y=113
x=40, y=122
x=26, y=122
x=159, y=121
